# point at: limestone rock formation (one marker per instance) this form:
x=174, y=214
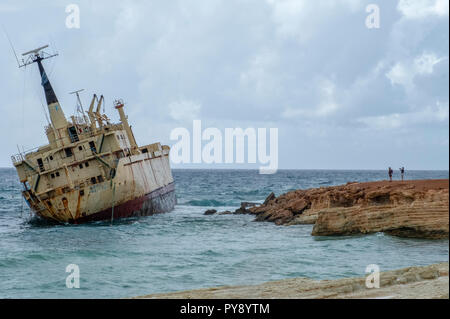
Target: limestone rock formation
x=406, y=283
x=416, y=208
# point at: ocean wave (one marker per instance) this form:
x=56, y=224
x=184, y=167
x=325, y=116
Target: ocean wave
x=36, y=221
x=249, y=192
x=209, y=203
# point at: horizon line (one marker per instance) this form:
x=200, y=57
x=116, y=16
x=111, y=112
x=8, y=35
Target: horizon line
x=289, y=169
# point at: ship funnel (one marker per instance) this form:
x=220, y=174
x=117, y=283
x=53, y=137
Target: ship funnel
x=118, y=104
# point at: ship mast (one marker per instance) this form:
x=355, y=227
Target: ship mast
x=57, y=116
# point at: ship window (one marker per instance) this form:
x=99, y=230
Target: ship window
x=86, y=164
x=52, y=175
x=80, y=166
x=82, y=192
x=119, y=154
x=57, y=174
x=100, y=178
x=80, y=148
x=40, y=164
x=73, y=134
x=144, y=150
x=93, y=181
x=51, y=158
x=68, y=152
x=92, y=146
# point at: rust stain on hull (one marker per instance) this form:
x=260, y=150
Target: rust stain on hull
x=78, y=213
x=159, y=201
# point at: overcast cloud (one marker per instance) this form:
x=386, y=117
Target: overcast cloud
x=342, y=95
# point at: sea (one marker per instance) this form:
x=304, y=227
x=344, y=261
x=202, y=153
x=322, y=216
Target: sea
x=185, y=249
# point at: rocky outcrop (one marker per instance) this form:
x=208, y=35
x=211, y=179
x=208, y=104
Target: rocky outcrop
x=243, y=209
x=408, y=209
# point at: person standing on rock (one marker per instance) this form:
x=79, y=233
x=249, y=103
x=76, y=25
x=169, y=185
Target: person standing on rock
x=390, y=172
x=402, y=172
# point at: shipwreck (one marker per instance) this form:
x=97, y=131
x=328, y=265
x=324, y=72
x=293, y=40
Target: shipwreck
x=92, y=169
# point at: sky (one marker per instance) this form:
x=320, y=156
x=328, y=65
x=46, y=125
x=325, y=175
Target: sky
x=342, y=95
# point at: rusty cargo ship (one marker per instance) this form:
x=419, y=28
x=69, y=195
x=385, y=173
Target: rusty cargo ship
x=92, y=169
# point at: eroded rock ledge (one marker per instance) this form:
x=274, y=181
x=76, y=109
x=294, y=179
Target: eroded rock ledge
x=412, y=282
x=417, y=208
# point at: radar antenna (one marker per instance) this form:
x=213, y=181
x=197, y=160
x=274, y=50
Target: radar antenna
x=36, y=55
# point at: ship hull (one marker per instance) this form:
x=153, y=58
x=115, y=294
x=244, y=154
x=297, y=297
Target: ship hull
x=161, y=200
x=142, y=185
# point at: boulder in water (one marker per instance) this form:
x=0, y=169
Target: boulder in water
x=244, y=208
x=227, y=212
x=210, y=212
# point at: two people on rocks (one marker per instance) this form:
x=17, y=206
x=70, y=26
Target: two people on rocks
x=391, y=171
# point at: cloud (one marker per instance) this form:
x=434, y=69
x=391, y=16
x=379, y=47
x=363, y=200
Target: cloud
x=259, y=77
x=428, y=116
x=419, y=9
x=8, y=8
x=292, y=18
x=184, y=111
x=404, y=73
x=310, y=68
x=326, y=105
